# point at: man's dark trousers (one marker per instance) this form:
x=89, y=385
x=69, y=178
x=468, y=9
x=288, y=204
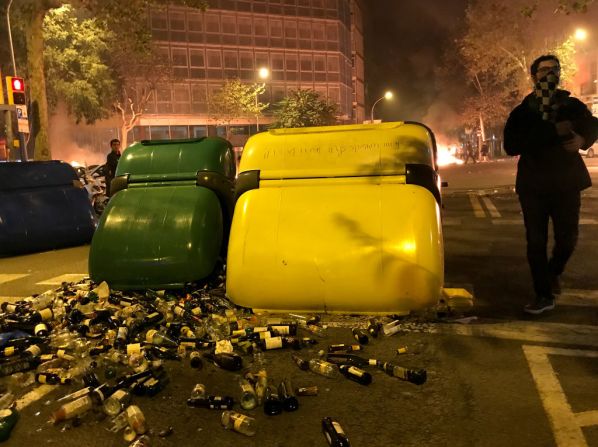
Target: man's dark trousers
x=563, y=209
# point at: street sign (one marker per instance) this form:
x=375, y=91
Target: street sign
x=22, y=119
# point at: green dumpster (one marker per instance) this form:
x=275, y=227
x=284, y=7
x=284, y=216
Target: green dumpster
x=168, y=219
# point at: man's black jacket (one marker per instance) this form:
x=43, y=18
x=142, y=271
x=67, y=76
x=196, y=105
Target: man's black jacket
x=112, y=163
x=544, y=165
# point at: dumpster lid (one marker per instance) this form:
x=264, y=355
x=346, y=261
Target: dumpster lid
x=177, y=159
x=339, y=151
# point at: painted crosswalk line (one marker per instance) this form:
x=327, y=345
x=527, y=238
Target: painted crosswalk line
x=478, y=211
x=34, y=395
x=490, y=207
x=566, y=425
x=7, y=277
x=57, y=280
x=578, y=297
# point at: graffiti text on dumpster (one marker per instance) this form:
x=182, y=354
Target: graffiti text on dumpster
x=338, y=149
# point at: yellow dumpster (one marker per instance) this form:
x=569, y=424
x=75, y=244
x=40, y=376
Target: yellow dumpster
x=337, y=219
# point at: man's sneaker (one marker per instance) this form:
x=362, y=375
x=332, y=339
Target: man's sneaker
x=540, y=305
x=555, y=285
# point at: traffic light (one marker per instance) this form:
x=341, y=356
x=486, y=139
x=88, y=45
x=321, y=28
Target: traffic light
x=15, y=89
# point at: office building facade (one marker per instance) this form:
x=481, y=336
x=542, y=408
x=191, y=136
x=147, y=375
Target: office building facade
x=305, y=44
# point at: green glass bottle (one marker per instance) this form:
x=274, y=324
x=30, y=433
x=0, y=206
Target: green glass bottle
x=8, y=419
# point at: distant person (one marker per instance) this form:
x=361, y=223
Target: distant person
x=484, y=151
x=469, y=153
x=112, y=162
x=547, y=130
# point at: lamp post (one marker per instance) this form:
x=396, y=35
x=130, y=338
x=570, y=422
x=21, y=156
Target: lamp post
x=387, y=96
x=12, y=50
x=263, y=74
x=580, y=34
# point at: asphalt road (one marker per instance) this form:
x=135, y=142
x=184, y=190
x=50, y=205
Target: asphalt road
x=504, y=379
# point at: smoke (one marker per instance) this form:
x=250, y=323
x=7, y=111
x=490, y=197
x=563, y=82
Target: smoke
x=64, y=147
x=442, y=118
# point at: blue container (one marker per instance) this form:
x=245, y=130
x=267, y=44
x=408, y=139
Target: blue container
x=42, y=207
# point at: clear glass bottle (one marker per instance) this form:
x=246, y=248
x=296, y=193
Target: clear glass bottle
x=199, y=391
x=72, y=409
x=248, y=395
x=238, y=422
x=136, y=419
x=322, y=367
x=117, y=402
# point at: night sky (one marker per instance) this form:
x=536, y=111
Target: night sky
x=404, y=43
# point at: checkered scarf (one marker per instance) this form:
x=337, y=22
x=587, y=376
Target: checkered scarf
x=545, y=89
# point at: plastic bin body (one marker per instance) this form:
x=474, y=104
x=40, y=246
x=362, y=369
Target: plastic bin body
x=42, y=207
x=165, y=225
x=345, y=219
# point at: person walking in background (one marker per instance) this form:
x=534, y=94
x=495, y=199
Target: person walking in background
x=112, y=162
x=547, y=130
x=484, y=151
x=469, y=152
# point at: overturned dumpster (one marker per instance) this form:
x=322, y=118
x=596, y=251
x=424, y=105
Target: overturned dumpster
x=42, y=207
x=167, y=222
x=338, y=219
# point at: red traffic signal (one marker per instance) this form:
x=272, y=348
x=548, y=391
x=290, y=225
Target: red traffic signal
x=15, y=89
x=17, y=84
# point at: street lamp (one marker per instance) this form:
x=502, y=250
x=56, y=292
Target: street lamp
x=387, y=96
x=263, y=74
x=580, y=34
x=12, y=50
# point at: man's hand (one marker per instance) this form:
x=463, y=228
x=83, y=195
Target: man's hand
x=574, y=144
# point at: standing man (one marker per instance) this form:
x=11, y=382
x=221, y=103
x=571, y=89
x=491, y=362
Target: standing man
x=112, y=162
x=547, y=130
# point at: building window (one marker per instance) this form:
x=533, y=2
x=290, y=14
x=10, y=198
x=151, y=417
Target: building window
x=276, y=33
x=260, y=27
x=291, y=62
x=180, y=63
x=246, y=60
x=199, y=99
x=334, y=95
x=179, y=132
x=261, y=60
x=212, y=23
x=231, y=59
x=306, y=62
x=214, y=59
x=159, y=133
x=164, y=100
x=159, y=25
x=277, y=93
x=319, y=36
x=228, y=24
x=245, y=27
x=259, y=6
x=243, y=5
x=277, y=66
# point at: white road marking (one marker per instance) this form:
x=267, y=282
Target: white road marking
x=490, y=207
x=11, y=299
x=587, y=418
x=578, y=297
x=452, y=221
x=584, y=221
x=478, y=211
x=7, y=277
x=34, y=395
x=529, y=331
x=58, y=280
x=566, y=425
